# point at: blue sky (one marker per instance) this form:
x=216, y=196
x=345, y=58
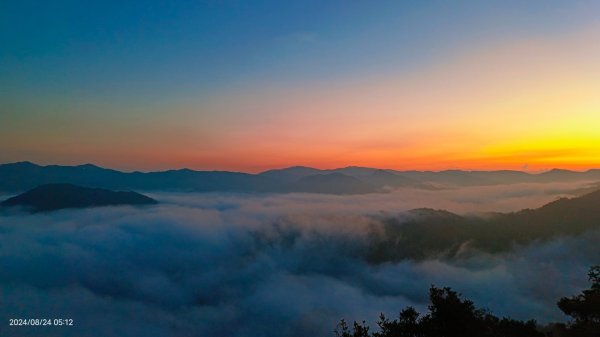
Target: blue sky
x=69, y=59
x=115, y=48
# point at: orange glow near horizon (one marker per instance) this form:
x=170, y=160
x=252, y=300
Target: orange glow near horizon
x=530, y=104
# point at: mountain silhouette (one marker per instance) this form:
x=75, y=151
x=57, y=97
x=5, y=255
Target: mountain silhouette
x=22, y=176
x=385, y=178
x=425, y=233
x=290, y=174
x=333, y=183
x=52, y=197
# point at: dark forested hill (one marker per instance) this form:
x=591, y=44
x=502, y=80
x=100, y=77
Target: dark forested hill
x=423, y=233
x=59, y=196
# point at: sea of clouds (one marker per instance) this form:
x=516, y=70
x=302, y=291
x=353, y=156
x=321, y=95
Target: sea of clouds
x=218, y=264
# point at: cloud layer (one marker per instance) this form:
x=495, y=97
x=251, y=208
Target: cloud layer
x=262, y=265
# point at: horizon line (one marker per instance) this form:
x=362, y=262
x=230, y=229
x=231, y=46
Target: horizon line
x=300, y=166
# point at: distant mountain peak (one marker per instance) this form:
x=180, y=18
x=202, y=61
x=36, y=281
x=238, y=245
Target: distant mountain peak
x=300, y=167
x=357, y=167
x=23, y=164
x=89, y=166
x=558, y=171
x=185, y=169
x=292, y=168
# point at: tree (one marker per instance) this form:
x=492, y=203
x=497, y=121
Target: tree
x=407, y=325
x=449, y=316
x=584, y=308
x=359, y=330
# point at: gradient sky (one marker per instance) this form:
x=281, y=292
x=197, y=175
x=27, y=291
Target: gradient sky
x=253, y=85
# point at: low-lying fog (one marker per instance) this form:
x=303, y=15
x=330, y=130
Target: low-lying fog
x=264, y=265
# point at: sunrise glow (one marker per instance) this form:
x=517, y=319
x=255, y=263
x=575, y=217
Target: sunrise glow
x=518, y=95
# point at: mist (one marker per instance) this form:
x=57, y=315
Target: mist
x=221, y=264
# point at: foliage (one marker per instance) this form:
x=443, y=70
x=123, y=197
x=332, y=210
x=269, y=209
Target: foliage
x=425, y=233
x=584, y=308
x=449, y=316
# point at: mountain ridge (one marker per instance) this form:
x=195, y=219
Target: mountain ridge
x=25, y=175
x=425, y=233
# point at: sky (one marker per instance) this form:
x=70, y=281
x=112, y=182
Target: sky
x=254, y=85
